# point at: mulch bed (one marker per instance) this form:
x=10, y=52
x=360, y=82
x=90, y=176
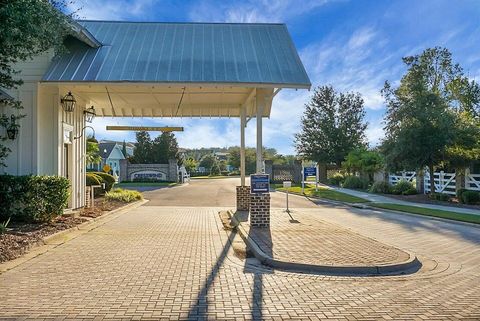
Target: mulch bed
x=19, y=238
x=422, y=198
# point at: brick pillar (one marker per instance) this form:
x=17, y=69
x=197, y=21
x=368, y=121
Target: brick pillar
x=243, y=198
x=297, y=168
x=172, y=170
x=260, y=210
x=123, y=171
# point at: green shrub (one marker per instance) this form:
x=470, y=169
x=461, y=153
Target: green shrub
x=355, y=182
x=401, y=187
x=470, y=197
x=440, y=197
x=3, y=226
x=108, y=179
x=381, y=187
x=93, y=179
x=32, y=198
x=459, y=194
x=337, y=179
x=411, y=191
x=123, y=195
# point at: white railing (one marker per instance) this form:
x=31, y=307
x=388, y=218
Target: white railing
x=472, y=181
x=406, y=176
x=444, y=182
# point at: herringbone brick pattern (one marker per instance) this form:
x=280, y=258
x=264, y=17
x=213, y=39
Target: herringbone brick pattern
x=161, y=263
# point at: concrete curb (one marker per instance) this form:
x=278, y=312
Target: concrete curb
x=411, y=265
x=365, y=206
x=59, y=238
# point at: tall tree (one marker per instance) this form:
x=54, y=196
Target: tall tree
x=164, y=148
x=332, y=125
x=143, y=149
x=431, y=115
x=124, y=149
x=28, y=28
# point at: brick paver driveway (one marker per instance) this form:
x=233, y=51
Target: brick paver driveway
x=175, y=262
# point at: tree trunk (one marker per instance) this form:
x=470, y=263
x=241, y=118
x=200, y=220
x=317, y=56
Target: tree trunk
x=432, y=178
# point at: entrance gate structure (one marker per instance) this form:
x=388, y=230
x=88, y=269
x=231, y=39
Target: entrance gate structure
x=148, y=69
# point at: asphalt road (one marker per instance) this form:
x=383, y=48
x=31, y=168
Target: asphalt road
x=213, y=192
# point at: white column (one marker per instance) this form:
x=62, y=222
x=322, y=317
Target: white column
x=243, y=124
x=260, y=103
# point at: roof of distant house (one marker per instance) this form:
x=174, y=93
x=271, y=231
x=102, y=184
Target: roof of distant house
x=220, y=53
x=106, y=149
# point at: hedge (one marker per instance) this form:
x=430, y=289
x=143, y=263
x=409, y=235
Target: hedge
x=32, y=199
x=108, y=179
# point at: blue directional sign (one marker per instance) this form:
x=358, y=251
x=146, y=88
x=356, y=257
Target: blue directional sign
x=259, y=183
x=309, y=171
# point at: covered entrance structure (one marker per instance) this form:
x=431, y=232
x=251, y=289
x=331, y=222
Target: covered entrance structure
x=147, y=69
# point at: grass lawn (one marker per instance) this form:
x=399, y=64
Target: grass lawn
x=470, y=218
x=137, y=184
x=323, y=192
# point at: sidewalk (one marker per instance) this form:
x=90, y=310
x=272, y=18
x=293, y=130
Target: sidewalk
x=374, y=198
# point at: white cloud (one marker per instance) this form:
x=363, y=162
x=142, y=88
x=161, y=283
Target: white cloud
x=375, y=134
x=251, y=10
x=113, y=9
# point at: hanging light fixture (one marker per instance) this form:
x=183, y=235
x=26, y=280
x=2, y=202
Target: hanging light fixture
x=90, y=114
x=12, y=129
x=68, y=102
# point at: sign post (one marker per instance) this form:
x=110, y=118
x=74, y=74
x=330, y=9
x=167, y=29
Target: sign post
x=259, y=183
x=287, y=185
x=310, y=171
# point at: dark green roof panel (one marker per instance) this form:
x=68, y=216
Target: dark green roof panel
x=183, y=52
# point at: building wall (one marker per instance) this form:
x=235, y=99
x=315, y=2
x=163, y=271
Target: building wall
x=23, y=159
x=39, y=148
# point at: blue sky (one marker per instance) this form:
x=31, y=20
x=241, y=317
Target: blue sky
x=353, y=45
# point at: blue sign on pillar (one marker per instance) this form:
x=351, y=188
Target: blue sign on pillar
x=309, y=171
x=259, y=183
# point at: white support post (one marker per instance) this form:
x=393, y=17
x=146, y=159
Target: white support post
x=260, y=103
x=243, y=124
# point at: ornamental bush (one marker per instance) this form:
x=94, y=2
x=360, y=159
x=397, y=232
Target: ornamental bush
x=402, y=187
x=355, y=182
x=470, y=197
x=32, y=199
x=336, y=179
x=440, y=197
x=93, y=179
x=381, y=187
x=123, y=195
x=108, y=179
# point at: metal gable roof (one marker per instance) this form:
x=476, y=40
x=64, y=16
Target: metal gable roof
x=183, y=53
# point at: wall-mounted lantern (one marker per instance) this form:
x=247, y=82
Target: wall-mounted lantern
x=90, y=114
x=12, y=129
x=68, y=102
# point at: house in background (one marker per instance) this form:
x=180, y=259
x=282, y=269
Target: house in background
x=111, y=153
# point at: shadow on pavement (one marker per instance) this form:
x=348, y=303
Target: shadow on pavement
x=199, y=311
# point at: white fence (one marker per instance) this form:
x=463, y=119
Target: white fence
x=406, y=176
x=472, y=181
x=444, y=182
